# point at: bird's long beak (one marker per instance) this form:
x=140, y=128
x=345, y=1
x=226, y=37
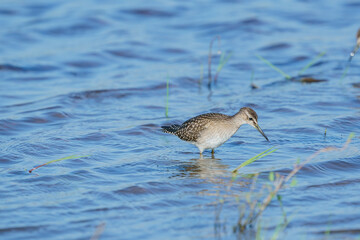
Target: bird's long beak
x=261, y=131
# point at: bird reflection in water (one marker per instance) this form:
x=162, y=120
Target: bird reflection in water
x=213, y=170
x=210, y=169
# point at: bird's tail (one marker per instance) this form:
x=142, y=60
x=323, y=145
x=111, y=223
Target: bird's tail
x=170, y=129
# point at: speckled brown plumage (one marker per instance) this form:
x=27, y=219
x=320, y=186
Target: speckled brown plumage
x=191, y=129
x=210, y=130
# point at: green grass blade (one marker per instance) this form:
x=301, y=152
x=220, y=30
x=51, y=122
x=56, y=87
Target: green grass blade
x=279, y=198
x=351, y=136
x=267, y=153
x=223, y=60
x=271, y=176
x=345, y=71
x=253, y=159
x=273, y=66
x=258, y=231
x=279, y=228
x=222, y=57
x=312, y=62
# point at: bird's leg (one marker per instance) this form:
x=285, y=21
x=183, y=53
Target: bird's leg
x=201, y=151
x=212, y=152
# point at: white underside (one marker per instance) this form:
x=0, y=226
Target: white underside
x=214, y=138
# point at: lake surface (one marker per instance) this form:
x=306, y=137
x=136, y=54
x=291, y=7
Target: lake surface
x=88, y=78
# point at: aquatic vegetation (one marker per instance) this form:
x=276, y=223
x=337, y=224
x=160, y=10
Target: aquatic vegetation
x=311, y=80
x=253, y=159
x=201, y=74
x=345, y=71
x=224, y=58
x=312, y=62
x=303, y=80
x=98, y=231
x=253, y=85
x=253, y=203
x=273, y=66
x=57, y=160
x=210, y=57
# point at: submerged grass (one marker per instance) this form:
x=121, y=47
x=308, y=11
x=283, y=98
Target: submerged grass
x=224, y=58
x=57, y=160
x=252, y=204
x=253, y=159
x=252, y=84
x=278, y=230
x=345, y=71
x=311, y=63
x=210, y=57
x=201, y=74
x=98, y=231
x=273, y=66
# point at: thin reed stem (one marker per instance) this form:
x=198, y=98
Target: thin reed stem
x=210, y=56
x=201, y=74
x=273, y=66
x=312, y=62
x=57, y=160
x=253, y=159
x=223, y=60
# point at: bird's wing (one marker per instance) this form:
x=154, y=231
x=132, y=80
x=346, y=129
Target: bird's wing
x=191, y=129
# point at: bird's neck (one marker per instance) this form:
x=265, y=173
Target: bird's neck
x=238, y=119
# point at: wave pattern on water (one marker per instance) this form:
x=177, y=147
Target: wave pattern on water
x=88, y=78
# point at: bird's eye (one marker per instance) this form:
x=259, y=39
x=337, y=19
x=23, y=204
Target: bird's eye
x=250, y=119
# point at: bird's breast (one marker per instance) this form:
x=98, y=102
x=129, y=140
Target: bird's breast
x=215, y=136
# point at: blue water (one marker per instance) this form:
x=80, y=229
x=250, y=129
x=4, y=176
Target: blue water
x=88, y=78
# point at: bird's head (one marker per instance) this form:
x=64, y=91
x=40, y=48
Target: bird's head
x=250, y=117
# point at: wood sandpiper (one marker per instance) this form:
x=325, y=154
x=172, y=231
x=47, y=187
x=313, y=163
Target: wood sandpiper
x=210, y=130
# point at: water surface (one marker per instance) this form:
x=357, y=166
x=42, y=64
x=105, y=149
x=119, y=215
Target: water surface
x=88, y=78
